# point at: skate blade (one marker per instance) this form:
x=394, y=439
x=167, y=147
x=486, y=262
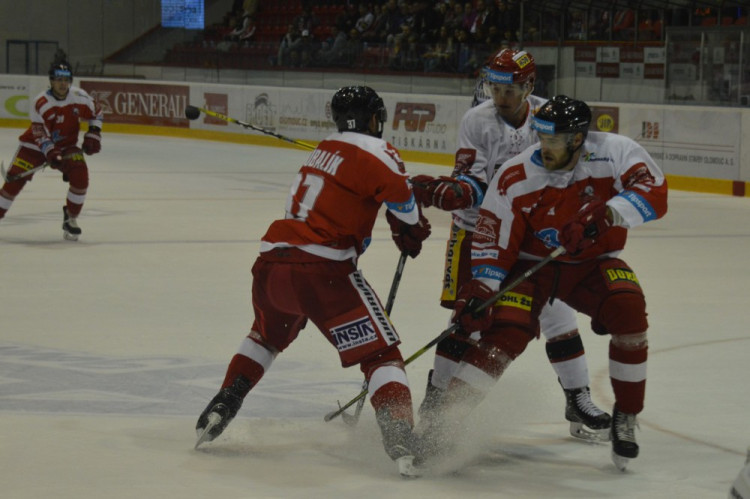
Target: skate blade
x=70, y=237
x=406, y=467
x=581, y=432
x=204, y=435
x=621, y=463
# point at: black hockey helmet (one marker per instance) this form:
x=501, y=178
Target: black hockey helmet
x=352, y=109
x=60, y=68
x=561, y=114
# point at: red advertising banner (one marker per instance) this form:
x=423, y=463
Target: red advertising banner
x=140, y=103
x=218, y=103
x=631, y=54
x=653, y=71
x=607, y=69
x=585, y=54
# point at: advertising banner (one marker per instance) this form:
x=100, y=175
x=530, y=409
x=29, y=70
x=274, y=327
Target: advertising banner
x=140, y=103
x=690, y=142
x=14, y=97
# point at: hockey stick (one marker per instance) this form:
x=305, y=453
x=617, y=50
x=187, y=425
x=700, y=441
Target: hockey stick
x=518, y=280
x=352, y=419
x=192, y=113
x=19, y=176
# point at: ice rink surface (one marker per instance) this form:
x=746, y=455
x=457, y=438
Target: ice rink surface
x=111, y=346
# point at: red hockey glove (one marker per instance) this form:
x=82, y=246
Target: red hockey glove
x=590, y=222
x=446, y=193
x=92, y=141
x=471, y=295
x=54, y=157
x=407, y=237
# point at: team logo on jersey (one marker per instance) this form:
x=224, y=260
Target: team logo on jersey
x=487, y=230
x=550, y=237
x=510, y=176
x=464, y=160
x=638, y=174
x=353, y=334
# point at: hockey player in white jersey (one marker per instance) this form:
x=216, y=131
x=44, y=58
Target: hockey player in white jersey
x=583, y=191
x=490, y=133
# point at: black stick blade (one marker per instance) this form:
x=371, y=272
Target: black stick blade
x=192, y=112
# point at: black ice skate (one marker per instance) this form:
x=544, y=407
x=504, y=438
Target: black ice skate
x=221, y=410
x=624, y=447
x=399, y=442
x=587, y=421
x=431, y=404
x=71, y=231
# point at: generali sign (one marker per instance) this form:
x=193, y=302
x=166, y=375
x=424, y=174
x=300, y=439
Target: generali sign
x=140, y=103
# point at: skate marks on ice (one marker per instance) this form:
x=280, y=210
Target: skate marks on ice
x=45, y=380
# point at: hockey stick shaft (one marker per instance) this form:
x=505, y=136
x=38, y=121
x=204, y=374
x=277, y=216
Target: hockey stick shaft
x=396, y=282
x=192, y=109
x=508, y=287
x=353, y=419
x=19, y=176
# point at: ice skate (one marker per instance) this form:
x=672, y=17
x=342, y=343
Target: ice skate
x=221, y=410
x=587, y=421
x=71, y=231
x=431, y=404
x=399, y=443
x=624, y=447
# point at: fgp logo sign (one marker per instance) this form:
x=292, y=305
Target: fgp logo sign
x=414, y=115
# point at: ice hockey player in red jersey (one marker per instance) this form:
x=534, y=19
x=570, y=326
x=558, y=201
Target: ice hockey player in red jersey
x=52, y=139
x=307, y=269
x=490, y=133
x=583, y=191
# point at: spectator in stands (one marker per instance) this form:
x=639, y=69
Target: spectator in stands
x=622, y=24
x=301, y=51
x=244, y=31
x=366, y=18
x=372, y=34
x=427, y=21
x=454, y=17
x=250, y=7
x=332, y=49
x=306, y=21
x=352, y=48
x=347, y=19
x=287, y=41
x=486, y=17
x=393, y=21
x=470, y=16
x=441, y=56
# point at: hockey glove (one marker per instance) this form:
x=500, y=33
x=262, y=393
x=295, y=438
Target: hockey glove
x=465, y=314
x=92, y=140
x=54, y=157
x=445, y=193
x=407, y=237
x=580, y=233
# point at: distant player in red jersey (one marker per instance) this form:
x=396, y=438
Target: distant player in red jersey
x=52, y=139
x=582, y=191
x=307, y=269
